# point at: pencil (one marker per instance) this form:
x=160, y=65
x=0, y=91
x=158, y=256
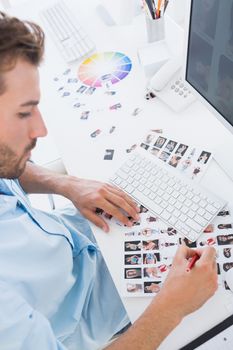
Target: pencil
x=158, y=9
x=192, y=262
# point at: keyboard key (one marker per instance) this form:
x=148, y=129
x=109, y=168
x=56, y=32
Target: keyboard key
x=211, y=209
x=149, y=203
x=194, y=225
x=165, y=215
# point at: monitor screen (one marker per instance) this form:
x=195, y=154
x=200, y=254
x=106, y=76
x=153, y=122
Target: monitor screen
x=209, y=68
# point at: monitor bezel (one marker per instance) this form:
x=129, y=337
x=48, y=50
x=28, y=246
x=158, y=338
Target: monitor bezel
x=184, y=70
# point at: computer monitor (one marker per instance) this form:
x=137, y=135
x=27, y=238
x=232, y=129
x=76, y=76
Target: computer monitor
x=209, y=59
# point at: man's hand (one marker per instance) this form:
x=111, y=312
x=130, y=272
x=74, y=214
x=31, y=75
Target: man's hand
x=87, y=195
x=186, y=291
x=183, y=292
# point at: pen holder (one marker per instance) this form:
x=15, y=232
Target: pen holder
x=155, y=29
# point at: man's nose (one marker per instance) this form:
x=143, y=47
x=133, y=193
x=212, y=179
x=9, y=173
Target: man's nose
x=38, y=128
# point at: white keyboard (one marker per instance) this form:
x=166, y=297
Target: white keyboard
x=70, y=38
x=187, y=207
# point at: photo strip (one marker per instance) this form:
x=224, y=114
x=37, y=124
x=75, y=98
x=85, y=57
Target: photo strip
x=187, y=159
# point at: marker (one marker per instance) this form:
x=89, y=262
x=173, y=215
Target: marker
x=192, y=262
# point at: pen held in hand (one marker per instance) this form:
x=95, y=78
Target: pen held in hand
x=192, y=262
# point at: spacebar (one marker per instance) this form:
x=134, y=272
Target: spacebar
x=147, y=202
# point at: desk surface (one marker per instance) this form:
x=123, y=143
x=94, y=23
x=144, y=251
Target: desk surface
x=195, y=126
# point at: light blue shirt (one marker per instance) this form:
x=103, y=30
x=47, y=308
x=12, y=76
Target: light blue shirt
x=55, y=289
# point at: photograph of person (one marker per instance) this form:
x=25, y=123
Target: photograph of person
x=204, y=157
x=174, y=161
x=143, y=145
x=195, y=172
x=170, y=231
x=224, y=89
x=133, y=273
x=134, y=287
x=128, y=150
x=227, y=266
x=134, y=259
x=130, y=234
x=209, y=229
x=90, y=90
x=99, y=211
x=223, y=213
x=85, y=115
x=133, y=245
x=151, y=219
x=186, y=164
x=108, y=216
x=155, y=151
x=81, y=89
x=149, y=138
x=224, y=226
x=181, y=149
x=160, y=142
x=170, y=146
x=164, y=156
x=188, y=243
x=151, y=258
x=225, y=239
x=142, y=209
x=150, y=245
x=147, y=232
x=134, y=222
x=151, y=272
x=227, y=252
x=164, y=244
x=151, y=287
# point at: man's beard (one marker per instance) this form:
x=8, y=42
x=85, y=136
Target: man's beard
x=11, y=166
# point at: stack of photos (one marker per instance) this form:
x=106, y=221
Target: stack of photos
x=191, y=161
x=150, y=245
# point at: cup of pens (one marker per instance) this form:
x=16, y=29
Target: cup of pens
x=154, y=14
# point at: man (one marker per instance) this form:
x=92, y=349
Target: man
x=55, y=290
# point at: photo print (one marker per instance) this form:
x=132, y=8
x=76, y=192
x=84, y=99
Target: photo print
x=160, y=142
x=190, y=160
x=152, y=287
x=155, y=246
x=170, y=146
x=133, y=273
x=108, y=154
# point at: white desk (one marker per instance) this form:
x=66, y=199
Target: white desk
x=194, y=125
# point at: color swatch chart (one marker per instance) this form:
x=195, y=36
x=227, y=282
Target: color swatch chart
x=101, y=68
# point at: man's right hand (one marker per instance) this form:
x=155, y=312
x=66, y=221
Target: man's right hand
x=185, y=291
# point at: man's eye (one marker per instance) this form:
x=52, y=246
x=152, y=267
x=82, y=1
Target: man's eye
x=25, y=114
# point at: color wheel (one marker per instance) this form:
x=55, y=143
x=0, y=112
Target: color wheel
x=104, y=67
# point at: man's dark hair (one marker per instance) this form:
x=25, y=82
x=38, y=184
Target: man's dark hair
x=18, y=40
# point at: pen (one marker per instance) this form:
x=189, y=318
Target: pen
x=165, y=5
x=192, y=262
x=150, y=8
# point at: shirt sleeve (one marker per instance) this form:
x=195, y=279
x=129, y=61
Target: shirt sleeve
x=22, y=327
